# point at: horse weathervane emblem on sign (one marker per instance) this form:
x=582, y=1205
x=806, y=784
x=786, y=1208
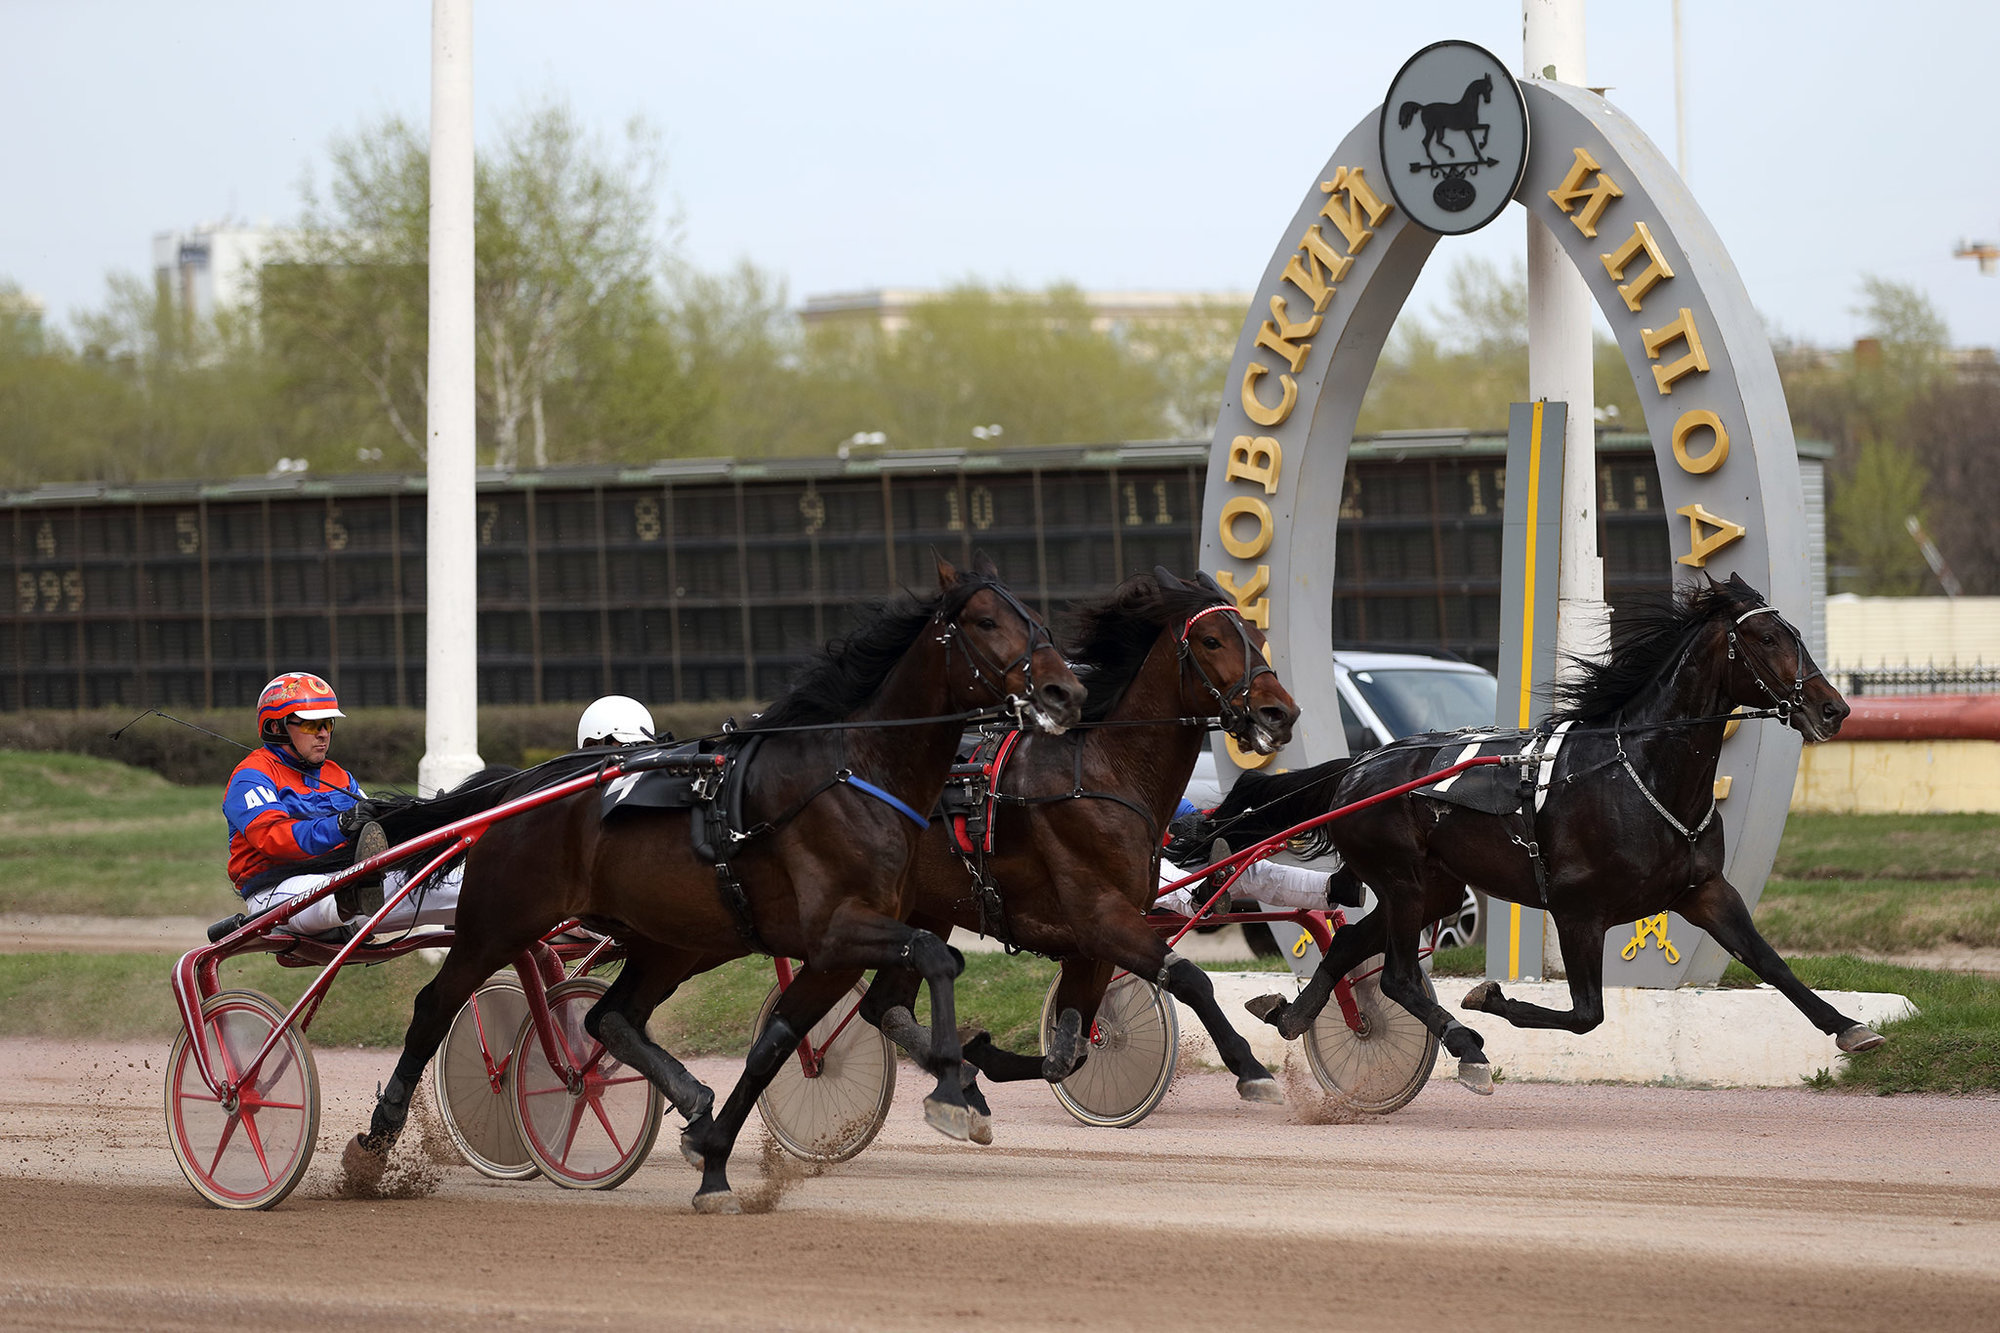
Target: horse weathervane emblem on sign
x=1456, y=117
x=1454, y=194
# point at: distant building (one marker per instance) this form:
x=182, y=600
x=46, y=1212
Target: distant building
x=212, y=266
x=1112, y=312
x=22, y=313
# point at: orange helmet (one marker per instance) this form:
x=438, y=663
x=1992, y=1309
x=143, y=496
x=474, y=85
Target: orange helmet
x=297, y=694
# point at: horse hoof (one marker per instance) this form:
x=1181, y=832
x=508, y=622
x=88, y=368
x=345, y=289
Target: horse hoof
x=720, y=1203
x=692, y=1155
x=954, y=1122
x=364, y=1162
x=1860, y=1037
x=1479, y=996
x=1476, y=1077
x=982, y=1129
x=1264, y=1006
x=1263, y=1090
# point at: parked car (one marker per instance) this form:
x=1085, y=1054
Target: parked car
x=1384, y=697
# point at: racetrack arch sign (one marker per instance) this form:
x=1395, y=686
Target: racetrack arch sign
x=1713, y=406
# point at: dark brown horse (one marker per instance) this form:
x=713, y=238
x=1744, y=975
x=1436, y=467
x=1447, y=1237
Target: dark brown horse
x=845, y=760
x=1079, y=818
x=1618, y=827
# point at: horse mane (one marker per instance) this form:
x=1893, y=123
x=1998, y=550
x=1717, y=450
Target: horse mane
x=849, y=670
x=1648, y=634
x=1111, y=636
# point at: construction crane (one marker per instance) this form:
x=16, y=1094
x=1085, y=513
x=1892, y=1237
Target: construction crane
x=1986, y=252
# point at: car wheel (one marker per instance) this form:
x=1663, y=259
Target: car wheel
x=1467, y=924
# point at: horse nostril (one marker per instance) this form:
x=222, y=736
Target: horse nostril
x=1275, y=719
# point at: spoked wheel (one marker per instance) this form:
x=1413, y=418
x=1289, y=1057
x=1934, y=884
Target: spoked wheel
x=469, y=1078
x=252, y=1151
x=831, y=1111
x=1134, y=1045
x=1385, y=1065
x=593, y=1132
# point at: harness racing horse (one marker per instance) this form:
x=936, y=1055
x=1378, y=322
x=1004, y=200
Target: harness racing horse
x=1611, y=820
x=1442, y=117
x=1075, y=854
x=829, y=805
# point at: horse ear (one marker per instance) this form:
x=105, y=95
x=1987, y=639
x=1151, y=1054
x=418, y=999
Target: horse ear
x=982, y=565
x=947, y=572
x=1166, y=580
x=1206, y=582
x=1736, y=581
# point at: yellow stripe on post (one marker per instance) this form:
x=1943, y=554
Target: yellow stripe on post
x=1527, y=647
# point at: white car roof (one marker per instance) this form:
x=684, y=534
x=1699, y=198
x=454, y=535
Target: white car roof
x=1361, y=661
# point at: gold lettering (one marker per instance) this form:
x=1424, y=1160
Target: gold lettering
x=1360, y=199
x=1251, y=602
x=1657, y=268
x=1256, y=458
x=1282, y=336
x=1722, y=786
x=1254, y=408
x=1237, y=508
x=1316, y=268
x=1596, y=198
x=1700, y=547
x=1243, y=758
x=1696, y=359
x=1691, y=422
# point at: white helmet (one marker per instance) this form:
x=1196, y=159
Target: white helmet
x=615, y=717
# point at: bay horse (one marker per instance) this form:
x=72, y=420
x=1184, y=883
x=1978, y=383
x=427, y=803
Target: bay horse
x=844, y=762
x=1615, y=820
x=1443, y=117
x=1078, y=819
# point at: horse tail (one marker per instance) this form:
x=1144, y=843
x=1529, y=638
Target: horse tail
x=1409, y=113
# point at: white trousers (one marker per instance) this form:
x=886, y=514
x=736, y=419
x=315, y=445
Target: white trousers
x=1268, y=882
x=433, y=905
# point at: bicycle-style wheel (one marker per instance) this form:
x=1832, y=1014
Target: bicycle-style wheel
x=469, y=1081
x=1385, y=1065
x=252, y=1151
x=590, y=1132
x=1134, y=1045
x=837, y=1109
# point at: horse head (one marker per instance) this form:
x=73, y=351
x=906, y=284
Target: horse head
x=1008, y=655
x=1226, y=655
x=1769, y=665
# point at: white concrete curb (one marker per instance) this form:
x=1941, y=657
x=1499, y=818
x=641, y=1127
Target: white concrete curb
x=1698, y=1037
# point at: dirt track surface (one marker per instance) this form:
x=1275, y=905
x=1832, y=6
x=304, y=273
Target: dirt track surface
x=1541, y=1207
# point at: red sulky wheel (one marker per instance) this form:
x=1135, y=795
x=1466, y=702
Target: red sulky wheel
x=254, y=1150
x=591, y=1134
x=469, y=1077
x=1384, y=1066
x=837, y=1110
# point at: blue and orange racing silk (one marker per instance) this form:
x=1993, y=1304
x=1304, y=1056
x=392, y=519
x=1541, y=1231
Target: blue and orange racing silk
x=280, y=809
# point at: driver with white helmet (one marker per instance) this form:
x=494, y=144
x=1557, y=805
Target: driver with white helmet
x=616, y=719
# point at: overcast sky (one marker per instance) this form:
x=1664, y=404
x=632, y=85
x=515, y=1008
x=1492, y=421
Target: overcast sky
x=1113, y=144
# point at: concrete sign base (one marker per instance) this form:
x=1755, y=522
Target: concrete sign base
x=1697, y=1037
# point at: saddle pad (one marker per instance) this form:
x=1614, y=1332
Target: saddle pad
x=653, y=790
x=1496, y=789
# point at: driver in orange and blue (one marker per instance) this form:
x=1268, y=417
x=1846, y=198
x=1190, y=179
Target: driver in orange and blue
x=287, y=803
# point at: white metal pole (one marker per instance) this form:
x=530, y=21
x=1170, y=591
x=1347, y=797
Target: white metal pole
x=1680, y=98
x=1559, y=369
x=451, y=648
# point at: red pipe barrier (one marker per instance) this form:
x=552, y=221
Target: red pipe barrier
x=1941, y=717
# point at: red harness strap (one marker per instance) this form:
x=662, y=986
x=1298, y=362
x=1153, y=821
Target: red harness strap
x=991, y=762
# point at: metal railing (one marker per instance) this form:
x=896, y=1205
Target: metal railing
x=1889, y=681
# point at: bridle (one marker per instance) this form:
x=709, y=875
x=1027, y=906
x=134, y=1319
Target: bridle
x=1782, y=705
x=1233, y=707
x=989, y=673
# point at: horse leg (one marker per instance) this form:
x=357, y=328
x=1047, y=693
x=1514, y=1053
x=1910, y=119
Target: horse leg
x=1124, y=939
x=1718, y=909
x=1079, y=990
x=708, y=1140
x=1583, y=955
x=1351, y=943
x=888, y=1006
x=1402, y=979
x=465, y=968
x=618, y=1020
x=865, y=941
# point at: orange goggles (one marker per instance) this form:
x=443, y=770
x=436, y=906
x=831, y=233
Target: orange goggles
x=317, y=726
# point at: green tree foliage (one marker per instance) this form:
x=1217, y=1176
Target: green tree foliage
x=1867, y=516
x=1464, y=366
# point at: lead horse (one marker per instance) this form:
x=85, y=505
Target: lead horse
x=1078, y=818
x=829, y=808
x=1613, y=822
